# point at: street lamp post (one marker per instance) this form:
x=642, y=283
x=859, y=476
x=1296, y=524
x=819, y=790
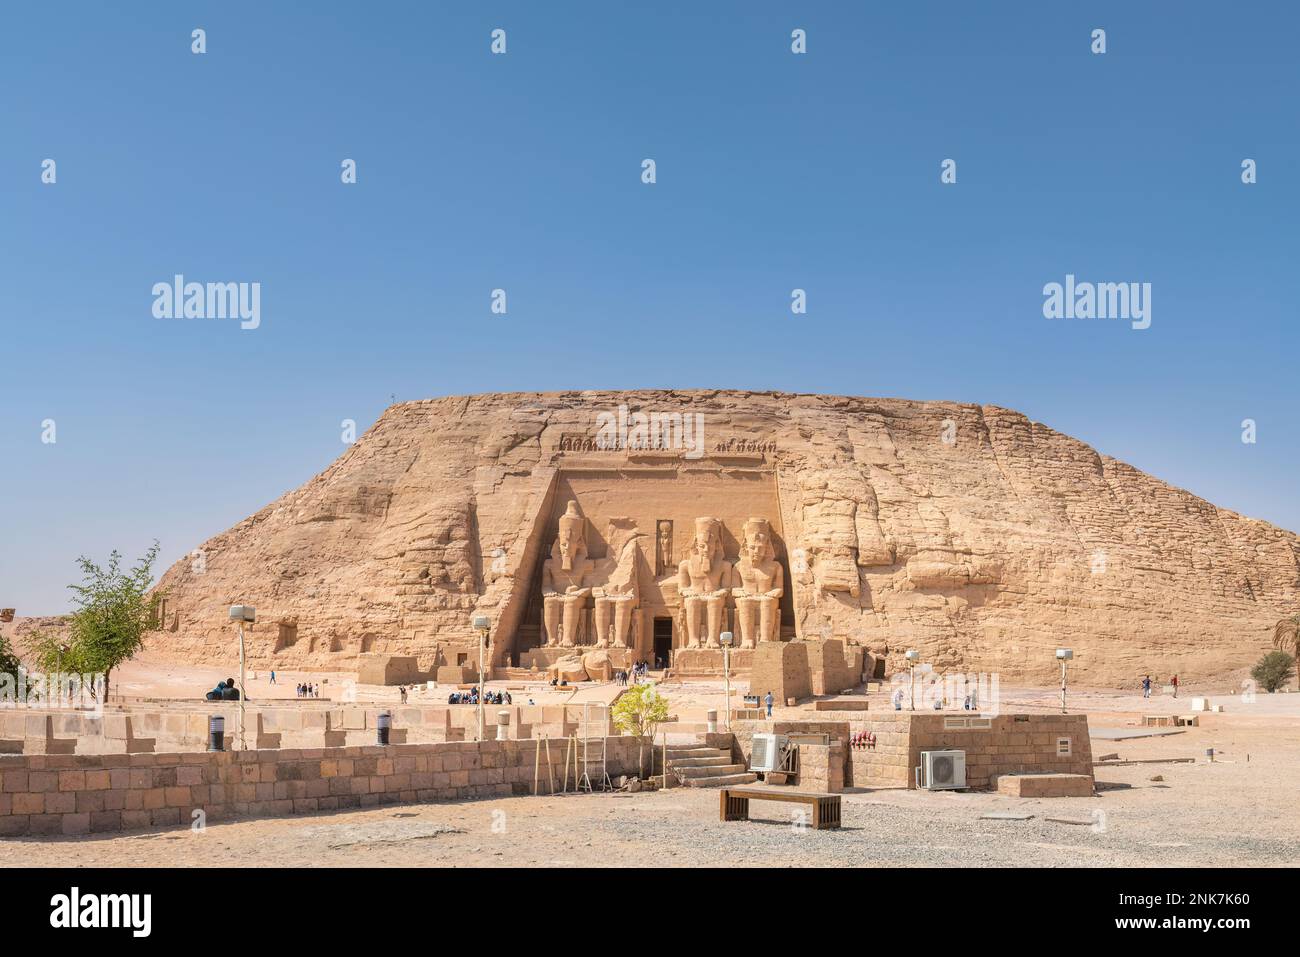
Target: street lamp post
x=727, y=638
x=912, y=657
x=481, y=624
x=242, y=614
x=1063, y=655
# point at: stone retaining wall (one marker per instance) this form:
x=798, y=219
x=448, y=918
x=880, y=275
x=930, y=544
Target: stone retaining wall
x=185, y=728
x=81, y=794
x=1006, y=744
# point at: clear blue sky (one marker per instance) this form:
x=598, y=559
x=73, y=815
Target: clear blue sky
x=522, y=171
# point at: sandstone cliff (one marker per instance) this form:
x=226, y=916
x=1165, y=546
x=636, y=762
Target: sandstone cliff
x=969, y=532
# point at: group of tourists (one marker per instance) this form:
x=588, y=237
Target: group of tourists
x=638, y=672
x=471, y=697
x=224, y=691
x=1146, y=686
x=306, y=690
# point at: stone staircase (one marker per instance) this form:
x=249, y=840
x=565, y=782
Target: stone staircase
x=696, y=766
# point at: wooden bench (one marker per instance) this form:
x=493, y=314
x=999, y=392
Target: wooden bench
x=734, y=804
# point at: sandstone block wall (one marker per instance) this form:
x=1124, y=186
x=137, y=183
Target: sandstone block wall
x=821, y=767
x=184, y=727
x=82, y=794
x=1006, y=744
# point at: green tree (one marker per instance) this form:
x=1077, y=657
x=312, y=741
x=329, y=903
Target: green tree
x=1273, y=670
x=113, y=612
x=638, y=712
x=8, y=658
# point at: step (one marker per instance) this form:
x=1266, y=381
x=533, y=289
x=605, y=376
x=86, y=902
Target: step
x=724, y=780
x=709, y=762
x=690, y=751
x=718, y=770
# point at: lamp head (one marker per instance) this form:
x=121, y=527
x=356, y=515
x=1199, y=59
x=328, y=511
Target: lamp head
x=726, y=638
x=1064, y=654
x=482, y=623
x=244, y=613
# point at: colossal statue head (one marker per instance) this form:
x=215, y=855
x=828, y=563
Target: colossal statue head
x=758, y=541
x=571, y=542
x=707, y=544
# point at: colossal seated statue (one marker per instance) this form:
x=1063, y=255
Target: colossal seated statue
x=759, y=585
x=704, y=580
x=565, y=580
x=619, y=594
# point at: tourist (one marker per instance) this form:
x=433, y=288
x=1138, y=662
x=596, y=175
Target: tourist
x=401, y=689
x=1146, y=687
x=898, y=699
x=768, y=701
x=272, y=677
x=966, y=703
x=215, y=693
x=230, y=692
x=1174, y=681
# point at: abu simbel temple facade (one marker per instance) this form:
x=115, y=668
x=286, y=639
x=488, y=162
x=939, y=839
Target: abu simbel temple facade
x=648, y=524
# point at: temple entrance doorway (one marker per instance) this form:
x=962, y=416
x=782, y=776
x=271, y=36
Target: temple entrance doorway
x=663, y=642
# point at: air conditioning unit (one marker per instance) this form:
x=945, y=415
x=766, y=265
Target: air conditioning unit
x=941, y=770
x=766, y=752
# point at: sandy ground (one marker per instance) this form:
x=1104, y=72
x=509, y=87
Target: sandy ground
x=1238, y=811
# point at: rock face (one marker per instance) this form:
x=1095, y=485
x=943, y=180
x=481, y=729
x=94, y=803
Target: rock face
x=970, y=533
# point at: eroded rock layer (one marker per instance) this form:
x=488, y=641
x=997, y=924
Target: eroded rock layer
x=971, y=533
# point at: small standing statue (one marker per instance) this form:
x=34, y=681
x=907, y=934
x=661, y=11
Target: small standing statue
x=758, y=585
x=564, y=580
x=665, y=547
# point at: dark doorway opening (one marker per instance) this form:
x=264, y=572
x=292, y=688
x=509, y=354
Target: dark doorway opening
x=663, y=642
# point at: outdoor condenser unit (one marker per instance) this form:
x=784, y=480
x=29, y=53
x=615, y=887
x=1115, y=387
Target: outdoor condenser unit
x=941, y=770
x=766, y=752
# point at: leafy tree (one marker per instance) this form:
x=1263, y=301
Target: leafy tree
x=1273, y=670
x=8, y=658
x=113, y=612
x=638, y=711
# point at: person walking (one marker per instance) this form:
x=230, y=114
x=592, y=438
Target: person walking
x=768, y=701
x=1146, y=687
x=1174, y=681
x=272, y=677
